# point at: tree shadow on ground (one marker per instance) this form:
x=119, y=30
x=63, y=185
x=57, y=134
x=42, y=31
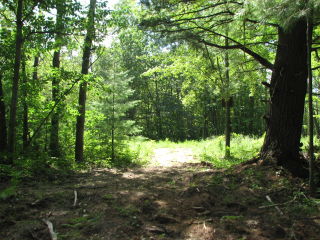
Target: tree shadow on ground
x=189, y=201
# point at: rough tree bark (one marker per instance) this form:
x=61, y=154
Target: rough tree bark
x=287, y=93
x=15, y=82
x=83, y=86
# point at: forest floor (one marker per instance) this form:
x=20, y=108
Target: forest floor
x=174, y=197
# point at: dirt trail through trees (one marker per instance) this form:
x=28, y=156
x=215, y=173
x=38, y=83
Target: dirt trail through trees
x=175, y=197
x=170, y=157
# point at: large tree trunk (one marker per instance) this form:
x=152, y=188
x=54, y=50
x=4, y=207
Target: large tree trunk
x=287, y=92
x=83, y=86
x=15, y=83
x=3, y=125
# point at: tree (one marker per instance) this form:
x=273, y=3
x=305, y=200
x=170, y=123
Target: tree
x=309, y=31
x=5, y=58
x=25, y=131
x=66, y=25
x=83, y=85
x=15, y=80
x=54, y=133
x=228, y=101
x=114, y=103
x=204, y=23
x=23, y=12
x=3, y=126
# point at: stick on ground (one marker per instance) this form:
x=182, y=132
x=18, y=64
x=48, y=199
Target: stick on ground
x=50, y=227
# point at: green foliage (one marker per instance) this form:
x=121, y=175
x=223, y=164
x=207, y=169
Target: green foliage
x=127, y=211
x=301, y=205
x=242, y=149
x=231, y=218
x=142, y=151
x=108, y=124
x=166, y=87
x=7, y=192
x=211, y=150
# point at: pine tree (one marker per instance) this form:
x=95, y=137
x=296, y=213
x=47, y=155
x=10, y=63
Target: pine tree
x=115, y=104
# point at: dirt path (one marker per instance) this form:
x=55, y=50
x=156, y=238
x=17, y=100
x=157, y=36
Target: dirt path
x=176, y=197
x=170, y=157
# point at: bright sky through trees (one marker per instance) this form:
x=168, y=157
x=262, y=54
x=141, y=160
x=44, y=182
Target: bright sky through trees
x=111, y=3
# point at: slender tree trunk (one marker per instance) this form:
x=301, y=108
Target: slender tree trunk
x=228, y=105
x=15, y=82
x=3, y=122
x=228, y=128
x=83, y=86
x=252, y=118
x=35, y=81
x=287, y=93
x=25, y=132
x=54, y=147
x=205, y=111
x=113, y=122
x=158, y=112
x=35, y=69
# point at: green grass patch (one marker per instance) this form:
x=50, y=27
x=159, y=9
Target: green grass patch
x=127, y=211
x=242, y=149
x=210, y=150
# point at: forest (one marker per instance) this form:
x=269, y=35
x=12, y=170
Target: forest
x=159, y=119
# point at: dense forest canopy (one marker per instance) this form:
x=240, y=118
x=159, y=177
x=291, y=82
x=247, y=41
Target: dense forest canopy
x=80, y=78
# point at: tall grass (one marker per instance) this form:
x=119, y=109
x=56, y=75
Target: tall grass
x=210, y=150
x=242, y=148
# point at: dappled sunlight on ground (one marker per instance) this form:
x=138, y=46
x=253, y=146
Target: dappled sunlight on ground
x=168, y=157
x=175, y=198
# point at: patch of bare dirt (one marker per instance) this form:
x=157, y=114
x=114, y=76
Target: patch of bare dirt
x=174, y=198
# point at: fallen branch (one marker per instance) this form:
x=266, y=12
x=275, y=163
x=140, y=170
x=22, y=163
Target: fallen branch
x=274, y=205
x=277, y=204
x=50, y=227
x=75, y=198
